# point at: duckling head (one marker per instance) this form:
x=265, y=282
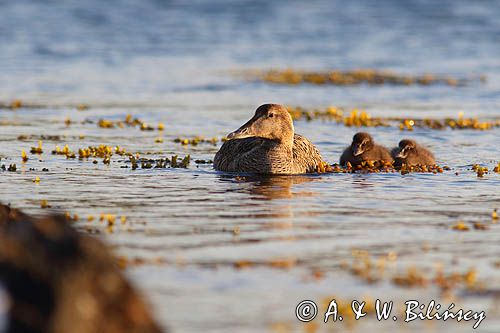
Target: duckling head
x=406, y=147
x=361, y=142
x=270, y=121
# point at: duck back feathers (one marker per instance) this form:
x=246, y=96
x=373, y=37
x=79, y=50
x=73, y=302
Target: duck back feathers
x=258, y=155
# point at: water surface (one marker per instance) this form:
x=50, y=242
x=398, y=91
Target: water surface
x=171, y=62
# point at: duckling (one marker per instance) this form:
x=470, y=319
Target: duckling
x=266, y=144
x=411, y=153
x=363, y=148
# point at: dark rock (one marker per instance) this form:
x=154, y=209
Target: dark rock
x=59, y=280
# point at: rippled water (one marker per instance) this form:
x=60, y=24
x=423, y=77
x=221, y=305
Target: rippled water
x=171, y=62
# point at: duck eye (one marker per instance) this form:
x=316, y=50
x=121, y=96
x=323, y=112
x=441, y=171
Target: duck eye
x=271, y=115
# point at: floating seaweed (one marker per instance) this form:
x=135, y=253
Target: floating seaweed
x=361, y=118
x=197, y=140
x=374, y=269
x=458, y=123
x=481, y=171
x=107, y=159
x=411, y=278
x=130, y=122
x=460, y=226
x=355, y=77
x=203, y=161
x=146, y=127
x=405, y=169
x=44, y=204
x=101, y=151
x=161, y=163
x=355, y=118
x=133, y=161
x=480, y=226
x=64, y=151
x=279, y=263
x=38, y=149
x=71, y=218
x=382, y=166
x=103, y=123
x=446, y=282
x=124, y=261
x=41, y=137
x=13, y=105
x=184, y=163
x=82, y=107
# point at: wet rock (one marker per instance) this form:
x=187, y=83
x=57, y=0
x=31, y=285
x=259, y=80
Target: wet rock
x=59, y=280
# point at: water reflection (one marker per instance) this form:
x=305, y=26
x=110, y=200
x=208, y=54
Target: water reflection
x=362, y=182
x=273, y=187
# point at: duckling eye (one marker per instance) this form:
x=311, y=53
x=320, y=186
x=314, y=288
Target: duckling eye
x=271, y=115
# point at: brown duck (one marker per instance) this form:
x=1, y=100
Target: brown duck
x=410, y=152
x=267, y=144
x=363, y=148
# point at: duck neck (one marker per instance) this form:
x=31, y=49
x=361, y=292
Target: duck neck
x=287, y=138
x=285, y=146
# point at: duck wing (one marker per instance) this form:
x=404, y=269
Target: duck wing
x=306, y=157
x=260, y=156
x=233, y=152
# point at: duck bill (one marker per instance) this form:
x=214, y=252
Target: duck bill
x=356, y=150
x=244, y=131
x=401, y=154
x=239, y=134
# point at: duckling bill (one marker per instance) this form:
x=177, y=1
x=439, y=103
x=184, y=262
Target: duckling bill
x=267, y=144
x=409, y=152
x=363, y=148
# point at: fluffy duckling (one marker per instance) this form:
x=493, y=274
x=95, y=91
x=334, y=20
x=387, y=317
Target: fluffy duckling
x=363, y=148
x=411, y=153
x=266, y=144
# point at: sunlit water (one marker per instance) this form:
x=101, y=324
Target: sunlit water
x=171, y=63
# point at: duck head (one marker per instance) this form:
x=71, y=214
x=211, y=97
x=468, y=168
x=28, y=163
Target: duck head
x=361, y=142
x=270, y=121
x=406, y=147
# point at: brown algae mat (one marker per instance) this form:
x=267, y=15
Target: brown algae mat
x=360, y=118
x=355, y=77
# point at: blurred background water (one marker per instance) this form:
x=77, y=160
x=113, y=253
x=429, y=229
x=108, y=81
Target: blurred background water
x=173, y=62
x=166, y=52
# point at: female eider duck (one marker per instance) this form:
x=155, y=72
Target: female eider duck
x=410, y=152
x=266, y=144
x=363, y=148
